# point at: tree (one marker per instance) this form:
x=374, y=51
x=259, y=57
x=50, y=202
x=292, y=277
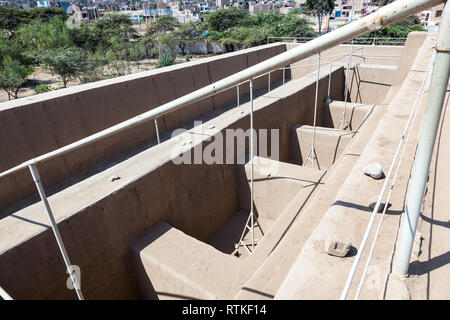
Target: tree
x=255, y=29
x=319, y=8
x=187, y=33
x=245, y=37
x=399, y=29
x=65, y=62
x=12, y=18
x=224, y=19
x=13, y=76
x=162, y=25
x=107, y=28
x=43, y=36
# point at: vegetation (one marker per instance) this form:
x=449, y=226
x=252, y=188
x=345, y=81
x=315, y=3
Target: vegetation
x=235, y=27
x=319, y=8
x=43, y=87
x=11, y=18
x=111, y=47
x=165, y=60
x=398, y=29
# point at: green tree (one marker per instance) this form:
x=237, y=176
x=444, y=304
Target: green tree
x=13, y=75
x=43, y=36
x=65, y=62
x=224, y=19
x=92, y=69
x=245, y=37
x=11, y=18
x=399, y=29
x=255, y=29
x=187, y=33
x=319, y=8
x=163, y=24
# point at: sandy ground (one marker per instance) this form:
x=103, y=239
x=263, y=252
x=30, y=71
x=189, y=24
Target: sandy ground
x=43, y=76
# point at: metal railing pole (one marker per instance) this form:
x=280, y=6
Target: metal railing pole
x=424, y=152
x=329, y=83
x=157, y=131
x=37, y=180
x=4, y=294
x=284, y=75
x=313, y=149
x=237, y=94
x=268, y=84
x=349, y=61
x=251, y=162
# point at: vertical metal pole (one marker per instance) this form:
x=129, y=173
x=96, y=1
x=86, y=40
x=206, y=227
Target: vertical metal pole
x=237, y=94
x=62, y=248
x=157, y=131
x=251, y=162
x=424, y=152
x=349, y=61
x=313, y=150
x=284, y=75
x=329, y=83
x=268, y=84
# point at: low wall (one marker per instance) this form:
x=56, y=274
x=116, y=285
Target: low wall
x=35, y=125
x=370, y=83
x=98, y=233
x=381, y=55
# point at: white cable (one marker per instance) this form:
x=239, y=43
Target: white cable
x=416, y=107
x=4, y=294
x=375, y=210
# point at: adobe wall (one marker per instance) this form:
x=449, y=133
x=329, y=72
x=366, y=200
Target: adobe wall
x=35, y=125
x=370, y=83
x=381, y=55
x=100, y=220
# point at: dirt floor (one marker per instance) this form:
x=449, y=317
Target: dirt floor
x=43, y=76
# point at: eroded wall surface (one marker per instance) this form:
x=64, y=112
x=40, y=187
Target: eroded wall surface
x=35, y=125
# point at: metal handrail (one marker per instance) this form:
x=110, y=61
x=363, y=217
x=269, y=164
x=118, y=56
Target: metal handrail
x=359, y=41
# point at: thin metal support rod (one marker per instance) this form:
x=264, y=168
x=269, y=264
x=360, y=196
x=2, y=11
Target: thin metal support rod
x=312, y=154
x=284, y=75
x=424, y=152
x=237, y=94
x=37, y=180
x=4, y=294
x=268, y=83
x=252, y=165
x=329, y=83
x=252, y=219
x=344, y=114
x=157, y=131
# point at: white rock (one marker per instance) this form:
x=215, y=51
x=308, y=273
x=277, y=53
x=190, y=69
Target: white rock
x=373, y=170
